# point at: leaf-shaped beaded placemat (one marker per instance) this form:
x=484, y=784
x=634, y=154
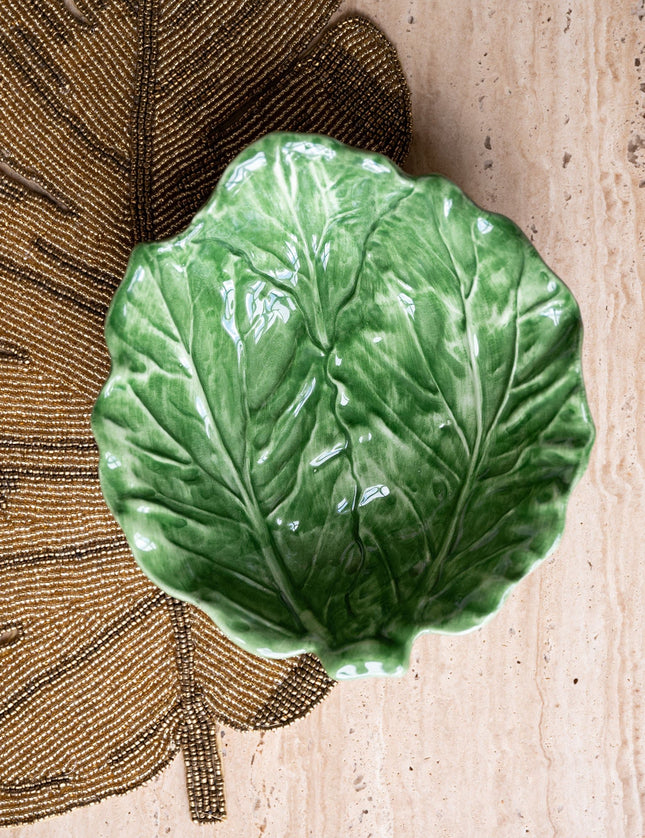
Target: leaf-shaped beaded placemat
x=116, y=119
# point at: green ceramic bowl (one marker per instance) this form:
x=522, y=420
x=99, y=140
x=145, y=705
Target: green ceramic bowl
x=345, y=406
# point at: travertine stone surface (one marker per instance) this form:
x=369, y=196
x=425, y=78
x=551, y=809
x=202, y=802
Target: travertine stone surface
x=534, y=725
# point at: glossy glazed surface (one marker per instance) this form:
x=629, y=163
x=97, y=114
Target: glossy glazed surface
x=345, y=406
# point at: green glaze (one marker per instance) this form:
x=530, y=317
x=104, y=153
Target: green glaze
x=345, y=406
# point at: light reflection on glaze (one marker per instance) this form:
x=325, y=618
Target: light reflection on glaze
x=408, y=304
x=375, y=168
x=294, y=259
x=244, y=170
x=275, y=306
x=204, y=414
x=228, y=316
x=303, y=396
x=137, y=276
x=484, y=226
x=373, y=493
x=112, y=461
x=327, y=455
x=185, y=362
x=263, y=311
x=553, y=314
x=324, y=256
x=308, y=149
x=142, y=542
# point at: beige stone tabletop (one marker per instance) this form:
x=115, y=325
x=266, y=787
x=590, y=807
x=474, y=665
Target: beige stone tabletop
x=535, y=724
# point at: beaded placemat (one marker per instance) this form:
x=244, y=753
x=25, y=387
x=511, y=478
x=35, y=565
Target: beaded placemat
x=116, y=119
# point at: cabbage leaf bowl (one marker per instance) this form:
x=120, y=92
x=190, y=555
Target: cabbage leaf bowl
x=345, y=407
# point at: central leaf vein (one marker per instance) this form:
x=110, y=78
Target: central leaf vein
x=280, y=573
